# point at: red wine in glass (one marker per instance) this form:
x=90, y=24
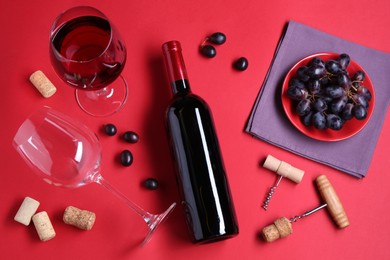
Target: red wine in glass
x=88, y=54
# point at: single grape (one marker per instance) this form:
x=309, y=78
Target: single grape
x=338, y=104
x=334, y=122
x=324, y=81
x=151, y=184
x=360, y=100
x=362, y=90
x=333, y=66
x=302, y=74
x=347, y=112
x=110, y=129
x=303, y=107
x=359, y=112
x=208, y=51
x=334, y=91
x=296, y=82
x=217, y=38
x=320, y=105
x=359, y=76
x=316, y=61
x=126, y=158
x=344, y=61
x=130, y=137
x=316, y=71
x=241, y=64
x=314, y=86
x=327, y=99
x=307, y=119
x=319, y=120
x=297, y=93
x=343, y=80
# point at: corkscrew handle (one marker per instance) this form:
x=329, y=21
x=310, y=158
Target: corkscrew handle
x=283, y=168
x=333, y=202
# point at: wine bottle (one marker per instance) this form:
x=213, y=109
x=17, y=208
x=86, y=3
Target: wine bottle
x=201, y=173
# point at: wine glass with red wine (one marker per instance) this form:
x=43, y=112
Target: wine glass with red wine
x=88, y=53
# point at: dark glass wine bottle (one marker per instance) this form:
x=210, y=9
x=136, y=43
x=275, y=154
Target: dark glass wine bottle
x=200, y=170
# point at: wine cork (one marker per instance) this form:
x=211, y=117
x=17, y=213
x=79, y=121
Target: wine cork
x=43, y=84
x=43, y=226
x=280, y=228
x=284, y=169
x=82, y=219
x=26, y=210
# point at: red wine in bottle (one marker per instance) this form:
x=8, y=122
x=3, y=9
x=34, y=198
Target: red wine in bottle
x=200, y=170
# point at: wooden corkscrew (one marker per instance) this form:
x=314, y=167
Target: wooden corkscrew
x=282, y=227
x=282, y=169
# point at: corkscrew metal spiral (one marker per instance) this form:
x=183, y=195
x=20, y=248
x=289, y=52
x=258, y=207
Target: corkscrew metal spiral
x=282, y=169
x=271, y=193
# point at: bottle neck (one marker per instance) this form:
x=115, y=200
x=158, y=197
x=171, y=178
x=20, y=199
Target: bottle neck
x=174, y=63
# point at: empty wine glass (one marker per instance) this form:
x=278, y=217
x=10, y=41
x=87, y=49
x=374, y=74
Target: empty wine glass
x=88, y=53
x=66, y=153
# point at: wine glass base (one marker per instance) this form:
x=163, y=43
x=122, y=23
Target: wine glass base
x=156, y=221
x=105, y=101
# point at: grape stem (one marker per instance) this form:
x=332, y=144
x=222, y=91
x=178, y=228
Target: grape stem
x=204, y=42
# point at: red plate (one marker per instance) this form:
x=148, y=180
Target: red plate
x=350, y=128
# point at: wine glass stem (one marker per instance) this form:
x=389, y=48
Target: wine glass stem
x=140, y=211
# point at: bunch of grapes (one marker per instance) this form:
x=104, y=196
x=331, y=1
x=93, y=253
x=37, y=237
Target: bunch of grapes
x=326, y=96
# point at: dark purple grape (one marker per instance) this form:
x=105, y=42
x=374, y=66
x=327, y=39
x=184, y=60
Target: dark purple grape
x=347, y=112
x=333, y=66
x=327, y=99
x=306, y=119
x=297, y=93
x=131, y=137
x=151, y=184
x=365, y=92
x=360, y=100
x=334, y=91
x=319, y=120
x=359, y=112
x=316, y=71
x=296, y=83
x=126, y=158
x=110, y=129
x=344, y=60
x=334, y=122
x=316, y=61
x=314, y=86
x=217, y=38
x=241, y=64
x=343, y=80
x=338, y=105
x=324, y=81
x=302, y=74
x=320, y=105
x=359, y=76
x=303, y=107
x=208, y=51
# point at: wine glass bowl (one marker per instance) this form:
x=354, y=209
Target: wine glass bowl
x=66, y=153
x=88, y=53
x=63, y=154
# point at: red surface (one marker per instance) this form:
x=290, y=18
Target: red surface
x=349, y=129
x=253, y=29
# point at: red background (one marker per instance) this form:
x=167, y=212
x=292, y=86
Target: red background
x=253, y=29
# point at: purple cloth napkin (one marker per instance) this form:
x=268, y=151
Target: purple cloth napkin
x=269, y=122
